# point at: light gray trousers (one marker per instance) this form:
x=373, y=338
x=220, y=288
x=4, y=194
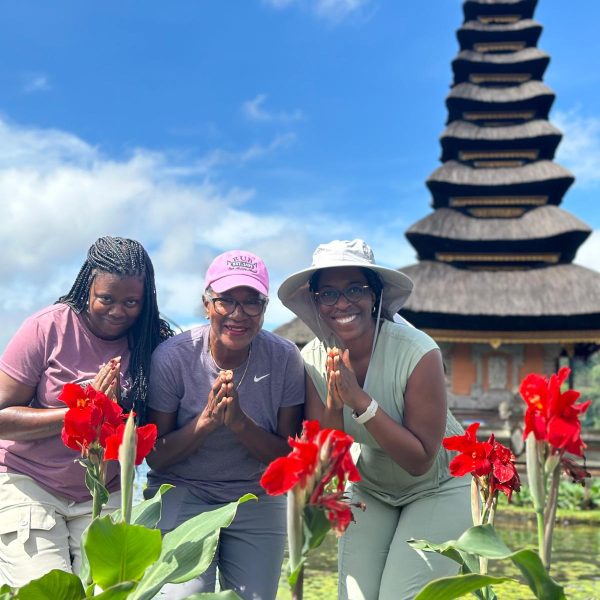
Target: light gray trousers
x=376, y=563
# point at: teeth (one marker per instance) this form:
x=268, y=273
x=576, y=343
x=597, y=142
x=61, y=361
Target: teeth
x=344, y=320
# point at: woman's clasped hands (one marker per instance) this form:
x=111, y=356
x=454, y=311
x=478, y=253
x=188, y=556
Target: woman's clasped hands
x=342, y=385
x=223, y=406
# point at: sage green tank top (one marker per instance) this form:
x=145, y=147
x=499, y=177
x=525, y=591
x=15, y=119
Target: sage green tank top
x=399, y=349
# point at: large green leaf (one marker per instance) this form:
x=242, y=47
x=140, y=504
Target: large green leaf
x=188, y=550
x=146, y=513
x=482, y=540
x=119, y=552
x=55, y=584
x=448, y=588
x=534, y=572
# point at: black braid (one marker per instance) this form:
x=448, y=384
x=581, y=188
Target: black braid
x=126, y=258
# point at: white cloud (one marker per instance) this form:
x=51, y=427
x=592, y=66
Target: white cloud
x=329, y=10
x=255, y=111
x=579, y=149
x=588, y=254
x=337, y=10
x=35, y=82
x=59, y=193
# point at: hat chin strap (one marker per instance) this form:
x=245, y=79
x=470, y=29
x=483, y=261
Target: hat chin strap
x=375, y=336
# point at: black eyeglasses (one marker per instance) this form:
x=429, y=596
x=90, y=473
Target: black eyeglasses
x=227, y=306
x=353, y=293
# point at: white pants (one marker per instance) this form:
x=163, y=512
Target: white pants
x=39, y=531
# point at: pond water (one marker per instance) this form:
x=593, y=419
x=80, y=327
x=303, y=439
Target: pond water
x=575, y=560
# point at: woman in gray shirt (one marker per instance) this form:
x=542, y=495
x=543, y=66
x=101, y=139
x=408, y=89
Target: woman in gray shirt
x=225, y=397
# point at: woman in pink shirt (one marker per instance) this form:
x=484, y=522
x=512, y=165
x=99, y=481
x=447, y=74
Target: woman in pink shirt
x=101, y=333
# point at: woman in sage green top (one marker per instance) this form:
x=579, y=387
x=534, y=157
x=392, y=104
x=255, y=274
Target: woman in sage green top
x=383, y=383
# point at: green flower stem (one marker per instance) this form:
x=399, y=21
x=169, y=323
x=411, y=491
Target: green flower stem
x=127, y=451
x=550, y=515
x=99, y=474
x=536, y=477
x=475, y=501
x=295, y=506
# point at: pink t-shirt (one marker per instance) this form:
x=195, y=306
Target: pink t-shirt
x=51, y=348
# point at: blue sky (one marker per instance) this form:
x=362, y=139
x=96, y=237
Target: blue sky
x=268, y=125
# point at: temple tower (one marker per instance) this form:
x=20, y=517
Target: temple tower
x=495, y=285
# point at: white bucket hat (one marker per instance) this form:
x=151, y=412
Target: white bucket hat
x=294, y=292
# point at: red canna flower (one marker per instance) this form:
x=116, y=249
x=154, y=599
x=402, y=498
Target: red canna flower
x=553, y=416
x=474, y=455
x=534, y=390
x=319, y=466
x=92, y=417
x=145, y=440
x=504, y=476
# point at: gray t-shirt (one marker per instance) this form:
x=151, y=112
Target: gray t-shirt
x=181, y=377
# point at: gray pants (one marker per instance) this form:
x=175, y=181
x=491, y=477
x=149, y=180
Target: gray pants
x=250, y=550
x=376, y=563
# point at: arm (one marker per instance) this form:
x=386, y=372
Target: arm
x=18, y=421
x=414, y=444
x=21, y=422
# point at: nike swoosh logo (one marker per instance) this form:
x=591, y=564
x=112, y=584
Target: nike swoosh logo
x=257, y=379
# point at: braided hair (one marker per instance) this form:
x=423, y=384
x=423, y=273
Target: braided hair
x=126, y=258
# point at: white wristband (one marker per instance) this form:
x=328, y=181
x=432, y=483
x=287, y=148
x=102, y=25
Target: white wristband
x=368, y=414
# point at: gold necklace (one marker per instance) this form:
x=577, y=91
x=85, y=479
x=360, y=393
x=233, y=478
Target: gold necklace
x=237, y=387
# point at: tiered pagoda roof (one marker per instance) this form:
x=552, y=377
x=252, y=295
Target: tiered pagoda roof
x=496, y=253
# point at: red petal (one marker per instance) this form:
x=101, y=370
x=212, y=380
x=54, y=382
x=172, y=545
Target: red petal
x=111, y=449
x=146, y=438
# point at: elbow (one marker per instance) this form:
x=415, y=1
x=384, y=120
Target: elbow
x=153, y=460
x=421, y=467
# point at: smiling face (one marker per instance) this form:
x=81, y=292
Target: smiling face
x=350, y=321
x=115, y=303
x=231, y=335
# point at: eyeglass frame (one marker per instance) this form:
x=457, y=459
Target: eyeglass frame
x=340, y=293
x=260, y=299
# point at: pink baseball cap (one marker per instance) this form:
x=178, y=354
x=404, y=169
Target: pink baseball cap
x=237, y=268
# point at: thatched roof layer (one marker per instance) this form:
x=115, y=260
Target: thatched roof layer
x=520, y=26
x=295, y=331
x=561, y=290
x=516, y=93
x=509, y=58
x=530, y=129
x=537, y=223
x=473, y=8
x=472, y=33
x=454, y=172
x=464, y=136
